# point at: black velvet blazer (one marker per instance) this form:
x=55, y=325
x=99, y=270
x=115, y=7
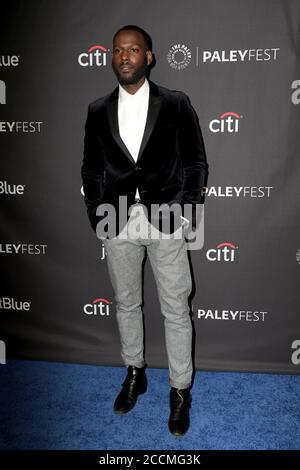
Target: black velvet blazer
x=171, y=165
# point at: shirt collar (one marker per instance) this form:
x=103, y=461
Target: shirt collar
x=124, y=95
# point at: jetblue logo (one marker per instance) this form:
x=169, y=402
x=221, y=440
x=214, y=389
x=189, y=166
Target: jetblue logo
x=9, y=60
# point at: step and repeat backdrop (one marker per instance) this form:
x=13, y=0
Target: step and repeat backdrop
x=238, y=61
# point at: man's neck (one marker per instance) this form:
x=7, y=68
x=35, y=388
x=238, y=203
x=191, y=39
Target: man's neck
x=132, y=89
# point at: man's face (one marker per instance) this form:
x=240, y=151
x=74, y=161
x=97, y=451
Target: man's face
x=130, y=57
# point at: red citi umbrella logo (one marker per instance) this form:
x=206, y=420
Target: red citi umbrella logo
x=224, y=251
x=226, y=122
x=95, y=56
x=98, y=307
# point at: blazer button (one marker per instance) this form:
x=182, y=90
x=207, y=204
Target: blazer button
x=137, y=168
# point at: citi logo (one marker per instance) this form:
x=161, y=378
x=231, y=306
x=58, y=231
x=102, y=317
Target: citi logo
x=96, y=55
x=227, y=122
x=2, y=92
x=223, y=252
x=7, y=303
x=6, y=188
x=97, y=307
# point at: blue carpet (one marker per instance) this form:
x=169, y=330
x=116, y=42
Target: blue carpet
x=66, y=406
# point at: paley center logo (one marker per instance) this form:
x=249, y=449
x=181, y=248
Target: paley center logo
x=179, y=56
x=98, y=306
x=226, y=122
x=224, y=251
x=95, y=56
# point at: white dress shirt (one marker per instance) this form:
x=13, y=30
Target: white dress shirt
x=132, y=116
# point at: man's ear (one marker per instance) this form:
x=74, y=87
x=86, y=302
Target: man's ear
x=149, y=57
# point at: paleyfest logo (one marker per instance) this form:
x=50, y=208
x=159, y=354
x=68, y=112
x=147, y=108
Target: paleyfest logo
x=95, y=56
x=179, y=57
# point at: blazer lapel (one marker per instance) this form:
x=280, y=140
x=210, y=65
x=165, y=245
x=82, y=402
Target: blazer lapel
x=112, y=112
x=153, y=110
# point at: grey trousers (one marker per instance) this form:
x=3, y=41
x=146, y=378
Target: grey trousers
x=171, y=269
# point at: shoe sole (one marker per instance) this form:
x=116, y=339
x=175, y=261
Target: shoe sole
x=178, y=434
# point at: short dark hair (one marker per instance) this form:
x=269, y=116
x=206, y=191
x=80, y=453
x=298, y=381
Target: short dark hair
x=133, y=27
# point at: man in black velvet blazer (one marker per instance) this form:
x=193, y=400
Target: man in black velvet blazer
x=169, y=167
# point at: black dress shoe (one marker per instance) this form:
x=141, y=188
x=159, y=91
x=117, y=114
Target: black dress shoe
x=180, y=402
x=135, y=384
